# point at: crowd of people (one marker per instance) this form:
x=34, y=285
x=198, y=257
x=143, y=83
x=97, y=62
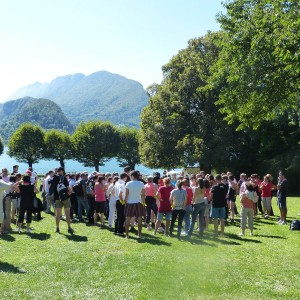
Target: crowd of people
x=160, y=203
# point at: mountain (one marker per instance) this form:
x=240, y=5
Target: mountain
x=101, y=95
x=42, y=112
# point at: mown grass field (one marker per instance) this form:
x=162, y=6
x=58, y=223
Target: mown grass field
x=95, y=264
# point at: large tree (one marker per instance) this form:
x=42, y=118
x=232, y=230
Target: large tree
x=181, y=125
x=58, y=146
x=27, y=144
x=259, y=60
x=95, y=142
x=1, y=146
x=129, y=148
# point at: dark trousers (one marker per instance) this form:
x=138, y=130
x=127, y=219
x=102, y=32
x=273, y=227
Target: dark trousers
x=151, y=205
x=180, y=213
x=119, y=223
x=91, y=204
x=22, y=211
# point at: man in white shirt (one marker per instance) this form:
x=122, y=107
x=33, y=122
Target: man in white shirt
x=49, y=194
x=134, y=202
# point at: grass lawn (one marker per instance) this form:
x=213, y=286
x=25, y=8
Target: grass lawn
x=95, y=264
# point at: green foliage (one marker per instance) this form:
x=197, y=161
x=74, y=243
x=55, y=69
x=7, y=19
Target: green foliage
x=58, y=146
x=259, y=63
x=95, y=142
x=1, y=146
x=129, y=147
x=42, y=112
x=182, y=126
x=27, y=144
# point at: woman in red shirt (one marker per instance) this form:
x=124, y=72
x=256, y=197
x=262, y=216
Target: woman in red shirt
x=266, y=187
x=164, y=206
x=100, y=200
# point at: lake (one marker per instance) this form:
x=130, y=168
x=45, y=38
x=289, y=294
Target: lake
x=72, y=166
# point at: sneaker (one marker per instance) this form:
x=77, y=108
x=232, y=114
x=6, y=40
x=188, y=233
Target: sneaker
x=266, y=216
x=251, y=233
x=161, y=229
x=149, y=228
x=282, y=223
x=28, y=230
x=70, y=230
x=241, y=234
x=279, y=221
x=19, y=230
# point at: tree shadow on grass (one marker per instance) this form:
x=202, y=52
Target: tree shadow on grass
x=149, y=239
x=8, y=268
x=202, y=242
x=76, y=238
x=8, y=238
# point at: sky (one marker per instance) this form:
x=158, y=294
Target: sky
x=43, y=39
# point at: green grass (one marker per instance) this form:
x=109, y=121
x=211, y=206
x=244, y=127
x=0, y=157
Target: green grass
x=95, y=264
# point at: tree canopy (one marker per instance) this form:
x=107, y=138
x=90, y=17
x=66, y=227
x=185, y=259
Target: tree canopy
x=95, y=142
x=259, y=61
x=129, y=147
x=27, y=144
x=58, y=146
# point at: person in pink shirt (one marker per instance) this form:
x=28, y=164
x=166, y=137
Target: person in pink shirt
x=100, y=200
x=150, y=200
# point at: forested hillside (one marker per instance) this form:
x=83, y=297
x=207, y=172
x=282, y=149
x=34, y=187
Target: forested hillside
x=42, y=112
x=101, y=95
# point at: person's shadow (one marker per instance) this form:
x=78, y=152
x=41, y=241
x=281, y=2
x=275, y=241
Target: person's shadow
x=8, y=268
x=76, y=238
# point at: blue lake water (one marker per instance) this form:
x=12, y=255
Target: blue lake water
x=44, y=166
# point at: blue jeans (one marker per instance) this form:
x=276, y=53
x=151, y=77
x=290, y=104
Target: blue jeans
x=187, y=219
x=82, y=204
x=199, y=209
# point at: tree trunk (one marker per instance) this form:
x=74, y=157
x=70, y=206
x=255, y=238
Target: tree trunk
x=96, y=165
x=30, y=163
x=62, y=163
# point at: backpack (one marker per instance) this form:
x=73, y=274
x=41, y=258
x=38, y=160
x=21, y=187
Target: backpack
x=295, y=225
x=77, y=189
x=90, y=189
x=62, y=190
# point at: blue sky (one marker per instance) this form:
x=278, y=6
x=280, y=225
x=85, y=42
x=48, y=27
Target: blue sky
x=43, y=39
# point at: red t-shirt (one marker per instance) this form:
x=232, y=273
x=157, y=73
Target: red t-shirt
x=266, y=189
x=189, y=193
x=164, y=205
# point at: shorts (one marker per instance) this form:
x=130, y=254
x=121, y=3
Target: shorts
x=217, y=213
x=100, y=207
x=63, y=204
x=266, y=202
x=134, y=210
x=281, y=202
x=160, y=216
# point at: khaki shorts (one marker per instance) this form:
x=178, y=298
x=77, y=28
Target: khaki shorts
x=60, y=204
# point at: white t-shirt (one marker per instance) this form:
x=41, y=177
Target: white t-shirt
x=120, y=188
x=135, y=188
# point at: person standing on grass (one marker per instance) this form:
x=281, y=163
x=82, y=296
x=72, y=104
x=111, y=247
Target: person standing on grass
x=178, y=199
x=27, y=192
x=150, y=192
x=164, y=205
x=218, y=197
x=188, y=207
x=112, y=197
x=134, y=202
x=248, y=198
x=266, y=187
x=198, y=208
x=100, y=200
x=282, y=188
x=59, y=204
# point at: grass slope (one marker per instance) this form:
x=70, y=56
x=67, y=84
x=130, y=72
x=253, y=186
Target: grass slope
x=95, y=264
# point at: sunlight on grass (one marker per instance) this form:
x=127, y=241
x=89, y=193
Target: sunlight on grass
x=95, y=264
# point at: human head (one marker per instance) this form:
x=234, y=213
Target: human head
x=218, y=177
x=26, y=179
x=123, y=176
x=134, y=174
x=15, y=168
x=61, y=171
x=149, y=179
x=127, y=169
x=249, y=187
x=200, y=183
x=179, y=184
x=101, y=179
x=167, y=181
